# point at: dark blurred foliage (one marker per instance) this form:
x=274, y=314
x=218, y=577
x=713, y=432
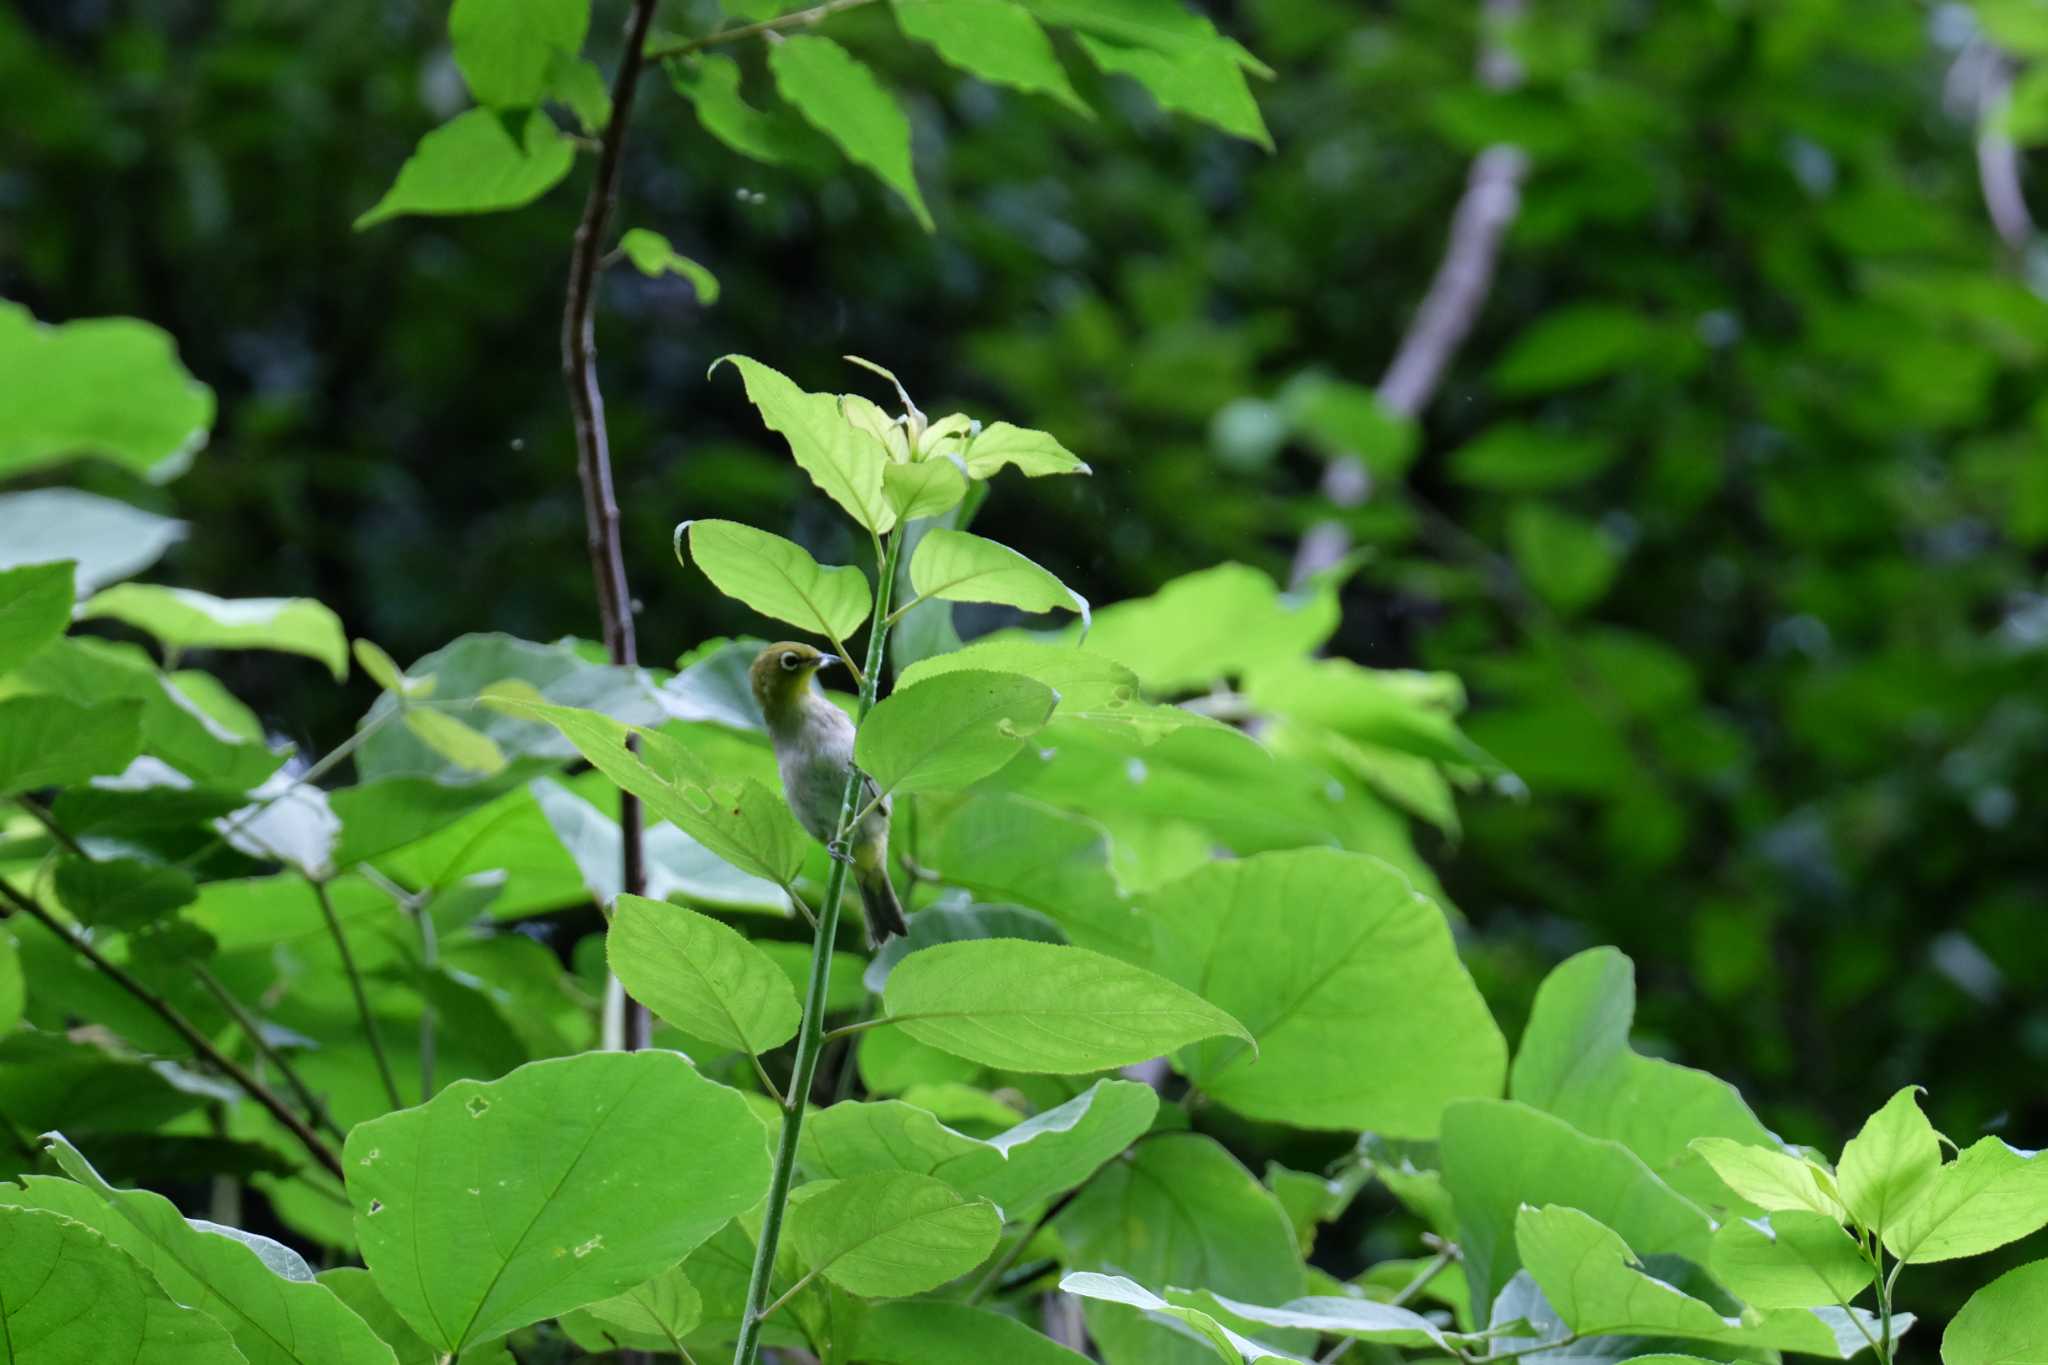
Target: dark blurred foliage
x=1763, y=633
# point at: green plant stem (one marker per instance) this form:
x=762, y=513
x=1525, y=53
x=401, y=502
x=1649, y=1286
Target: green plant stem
x=254, y=1032
x=1009, y=1258
x=802, y=18
x=355, y=985
x=414, y=906
x=183, y=1027
x=863, y=1025
x=1567, y=1339
x=1401, y=1300
x=49, y=823
x=811, y=1035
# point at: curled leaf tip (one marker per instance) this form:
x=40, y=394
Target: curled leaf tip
x=682, y=529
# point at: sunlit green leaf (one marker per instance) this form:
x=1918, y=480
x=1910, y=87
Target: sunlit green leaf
x=106, y=387
x=844, y=101
x=69, y=1297
x=473, y=164
x=778, y=578
x=888, y=1234
x=108, y=540
x=1034, y=453
x=996, y=40
x=262, y=1292
x=182, y=619
x=842, y=460
x=1789, y=1259
x=2004, y=1323
x=950, y=731
x=48, y=741
x=924, y=489
x=1043, y=1007
x=1326, y=957
x=652, y=256
x=1599, y=1288
x=504, y=48
x=1890, y=1163
x=35, y=608
x=1989, y=1195
x=700, y=975
x=499, y=1204
x=655, y=1316
x=711, y=82
x=958, y=567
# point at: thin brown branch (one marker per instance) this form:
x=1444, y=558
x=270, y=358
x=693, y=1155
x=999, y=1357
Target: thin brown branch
x=1450, y=306
x=183, y=1027
x=802, y=18
x=593, y=445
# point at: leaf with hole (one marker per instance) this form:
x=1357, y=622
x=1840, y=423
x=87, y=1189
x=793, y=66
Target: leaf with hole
x=497, y=1204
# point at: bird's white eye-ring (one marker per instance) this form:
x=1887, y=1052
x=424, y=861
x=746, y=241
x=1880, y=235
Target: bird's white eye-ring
x=789, y=659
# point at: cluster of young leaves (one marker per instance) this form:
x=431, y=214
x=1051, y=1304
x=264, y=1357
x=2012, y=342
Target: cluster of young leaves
x=521, y=60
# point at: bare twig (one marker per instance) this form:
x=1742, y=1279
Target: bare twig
x=253, y=1030
x=183, y=1027
x=802, y=18
x=355, y=985
x=593, y=445
x=1979, y=87
x=1492, y=198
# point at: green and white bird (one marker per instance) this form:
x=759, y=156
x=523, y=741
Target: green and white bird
x=814, y=751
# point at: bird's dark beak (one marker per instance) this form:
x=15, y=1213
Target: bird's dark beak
x=827, y=660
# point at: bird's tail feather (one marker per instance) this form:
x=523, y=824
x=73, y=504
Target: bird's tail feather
x=878, y=900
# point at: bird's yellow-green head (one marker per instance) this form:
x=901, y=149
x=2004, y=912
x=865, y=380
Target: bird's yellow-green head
x=781, y=675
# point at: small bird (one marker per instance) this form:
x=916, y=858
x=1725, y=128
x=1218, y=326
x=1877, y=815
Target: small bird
x=814, y=750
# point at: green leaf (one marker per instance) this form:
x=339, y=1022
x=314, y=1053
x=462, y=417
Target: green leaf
x=711, y=83
x=842, y=460
x=51, y=742
x=1179, y=1210
x=1094, y=692
x=1045, y=1154
x=68, y=1297
x=1034, y=453
x=182, y=619
x=35, y=608
x=740, y=821
x=1041, y=1007
x=1598, y=1287
x=1989, y=1195
x=1326, y=957
x=1210, y=625
x=505, y=48
x=109, y=540
x=1227, y=1345
x=1791, y=1259
x=778, y=578
x=655, y=1316
x=579, y=85
x=457, y=674
x=888, y=1234
x=1206, y=83
x=497, y=1204
x=13, y=988
x=927, y=1332
x=1343, y=419
x=1771, y=1179
x=106, y=387
x=471, y=164
x=1409, y=712
x=701, y=976
x=924, y=489
x=677, y=867
x=2004, y=1323
x=467, y=748
x=1890, y=1163
x=122, y=893
x=1515, y=457
x=1570, y=562
x=1357, y=1319
x=844, y=101
x=1575, y=1062
x=950, y=731
x=1499, y=1155
x=956, y=566
x=954, y=924
x=385, y=672
x=1574, y=345
x=652, y=256
x=262, y=1292
x=996, y=40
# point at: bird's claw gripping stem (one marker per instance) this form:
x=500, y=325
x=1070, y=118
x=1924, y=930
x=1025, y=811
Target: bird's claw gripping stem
x=840, y=852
